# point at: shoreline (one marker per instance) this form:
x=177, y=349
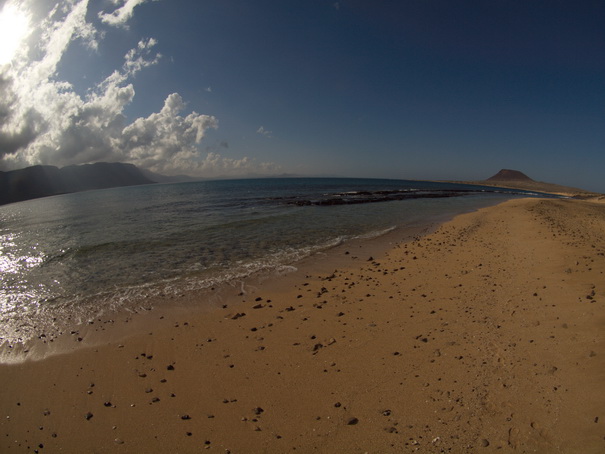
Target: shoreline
x=137, y=318
x=485, y=334
x=539, y=187
x=38, y=337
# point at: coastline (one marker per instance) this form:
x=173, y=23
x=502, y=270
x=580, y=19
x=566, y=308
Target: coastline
x=539, y=187
x=486, y=334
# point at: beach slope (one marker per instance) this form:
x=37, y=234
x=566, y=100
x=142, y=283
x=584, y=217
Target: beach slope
x=484, y=336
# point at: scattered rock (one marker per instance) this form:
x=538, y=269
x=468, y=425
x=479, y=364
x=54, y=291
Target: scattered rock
x=352, y=421
x=88, y=416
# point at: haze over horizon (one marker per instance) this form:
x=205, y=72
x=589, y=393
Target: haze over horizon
x=411, y=89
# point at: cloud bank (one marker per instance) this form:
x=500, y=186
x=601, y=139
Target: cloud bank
x=44, y=121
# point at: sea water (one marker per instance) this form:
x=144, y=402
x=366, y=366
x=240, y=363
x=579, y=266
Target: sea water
x=69, y=258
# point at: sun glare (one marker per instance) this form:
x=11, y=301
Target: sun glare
x=14, y=27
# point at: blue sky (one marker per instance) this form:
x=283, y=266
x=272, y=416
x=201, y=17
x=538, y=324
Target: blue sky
x=399, y=89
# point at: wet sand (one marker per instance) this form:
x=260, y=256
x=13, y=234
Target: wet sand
x=483, y=336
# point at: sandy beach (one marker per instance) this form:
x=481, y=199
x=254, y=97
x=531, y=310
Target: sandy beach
x=485, y=335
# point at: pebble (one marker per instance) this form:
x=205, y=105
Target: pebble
x=352, y=421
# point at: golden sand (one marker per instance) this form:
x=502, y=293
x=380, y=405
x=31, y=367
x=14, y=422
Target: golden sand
x=486, y=335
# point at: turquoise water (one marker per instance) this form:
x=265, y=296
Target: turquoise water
x=70, y=258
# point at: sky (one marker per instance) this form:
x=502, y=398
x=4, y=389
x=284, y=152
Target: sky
x=413, y=89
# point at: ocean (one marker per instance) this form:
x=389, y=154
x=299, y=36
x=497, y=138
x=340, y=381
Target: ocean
x=71, y=258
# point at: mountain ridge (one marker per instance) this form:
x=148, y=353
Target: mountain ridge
x=515, y=179
x=509, y=175
x=45, y=180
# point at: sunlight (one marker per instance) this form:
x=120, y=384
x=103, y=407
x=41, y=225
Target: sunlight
x=14, y=27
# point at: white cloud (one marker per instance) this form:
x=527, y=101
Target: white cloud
x=263, y=132
x=120, y=16
x=165, y=138
x=44, y=121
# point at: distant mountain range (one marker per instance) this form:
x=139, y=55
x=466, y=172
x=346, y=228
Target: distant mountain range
x=509, y=175
x=514, y=179
x=43, y=181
